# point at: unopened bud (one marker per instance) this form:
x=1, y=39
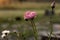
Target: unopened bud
x=53, y=4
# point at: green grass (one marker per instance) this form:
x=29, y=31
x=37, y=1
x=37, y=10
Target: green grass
x=4, y=15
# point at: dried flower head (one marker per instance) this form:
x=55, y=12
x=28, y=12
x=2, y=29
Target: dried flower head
x=53, y=4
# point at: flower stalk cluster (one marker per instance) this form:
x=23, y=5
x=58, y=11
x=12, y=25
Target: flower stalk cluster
x=30, y=15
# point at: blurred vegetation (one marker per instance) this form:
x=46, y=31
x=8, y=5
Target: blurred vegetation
x=9, y=14
x=28, y=5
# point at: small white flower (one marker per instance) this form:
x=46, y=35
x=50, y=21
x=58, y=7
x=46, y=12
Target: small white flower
x=5, y=31
x=3, y=35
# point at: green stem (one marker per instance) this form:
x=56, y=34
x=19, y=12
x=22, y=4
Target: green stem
x=17, y=36
x=51, y=25
x=6, y=38
x=34, y=29
x=50, y=32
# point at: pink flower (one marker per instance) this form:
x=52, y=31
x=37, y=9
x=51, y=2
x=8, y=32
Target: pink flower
x=29, y=15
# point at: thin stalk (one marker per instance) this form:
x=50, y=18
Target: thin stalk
x=51, y=30
x=17, y=36
x=6, y=37
x=51, y=24
x=34, y=29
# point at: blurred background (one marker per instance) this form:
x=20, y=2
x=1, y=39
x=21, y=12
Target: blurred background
x=12, y=12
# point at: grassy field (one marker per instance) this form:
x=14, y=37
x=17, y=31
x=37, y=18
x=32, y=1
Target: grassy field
x=6, y=14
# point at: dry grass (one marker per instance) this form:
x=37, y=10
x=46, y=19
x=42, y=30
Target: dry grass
x=32, y=5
